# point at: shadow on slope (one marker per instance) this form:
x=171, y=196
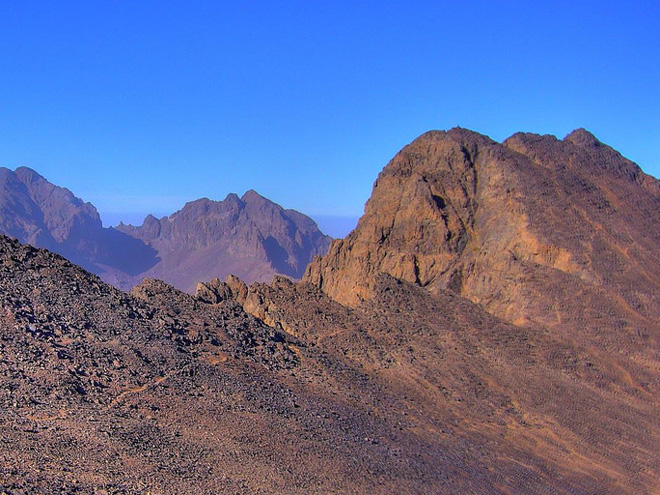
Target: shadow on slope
x=279, y=258
x=126, y=253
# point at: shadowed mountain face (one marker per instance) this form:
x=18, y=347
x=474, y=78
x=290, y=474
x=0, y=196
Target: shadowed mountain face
x=251, y=237
x=489, y=327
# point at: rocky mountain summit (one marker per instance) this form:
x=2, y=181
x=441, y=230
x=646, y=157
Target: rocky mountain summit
x=520, y=227
x=251, y=236
x=489, y=327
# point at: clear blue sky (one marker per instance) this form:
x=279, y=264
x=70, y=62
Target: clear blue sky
x=140, y=106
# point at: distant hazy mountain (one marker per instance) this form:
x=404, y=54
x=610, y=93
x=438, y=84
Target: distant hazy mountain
x=251, y=237
x=42, y=214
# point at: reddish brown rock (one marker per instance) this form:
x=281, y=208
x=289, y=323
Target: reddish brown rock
x=518, y=227
x=423, y=384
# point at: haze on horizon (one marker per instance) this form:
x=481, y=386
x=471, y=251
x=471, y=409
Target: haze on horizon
x=140, y=107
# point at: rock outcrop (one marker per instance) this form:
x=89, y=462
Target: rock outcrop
x=518, y=227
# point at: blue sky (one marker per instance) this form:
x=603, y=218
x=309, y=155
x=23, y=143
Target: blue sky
x=140, y=106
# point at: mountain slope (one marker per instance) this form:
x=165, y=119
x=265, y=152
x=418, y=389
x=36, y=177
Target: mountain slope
x=479, y=332
x=39, y=213
x=161, y=391
x=35, y=211
x=541, y=414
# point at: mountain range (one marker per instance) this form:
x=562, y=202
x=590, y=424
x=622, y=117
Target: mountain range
x=251, y=236
x=489, y=327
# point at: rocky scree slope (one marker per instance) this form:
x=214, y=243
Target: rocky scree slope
x=512, y=409
x=161, y=391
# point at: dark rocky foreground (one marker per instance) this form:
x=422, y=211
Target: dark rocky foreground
x=157, y=391
x=462, y=340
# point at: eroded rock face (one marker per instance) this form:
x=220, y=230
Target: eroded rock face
x=254, y=300
x=416, y=224
x=502, y=223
